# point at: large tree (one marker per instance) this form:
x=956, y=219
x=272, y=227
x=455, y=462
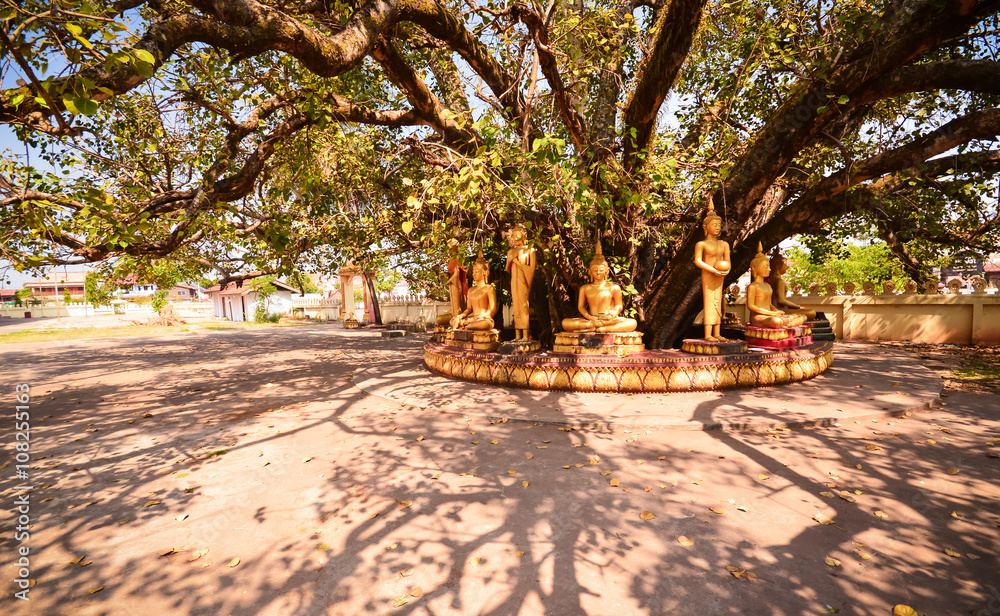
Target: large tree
x=250, y=136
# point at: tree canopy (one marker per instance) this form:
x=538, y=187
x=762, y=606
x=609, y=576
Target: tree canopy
x=253, y=138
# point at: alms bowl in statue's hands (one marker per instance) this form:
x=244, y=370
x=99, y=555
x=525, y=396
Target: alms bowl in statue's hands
x=723, y=266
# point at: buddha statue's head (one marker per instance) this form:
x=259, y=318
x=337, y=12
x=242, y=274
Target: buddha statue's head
x=598, y=266
x=760, y=266
x=712, y=224
x=778, y=262
x=481, y=269
x=518, y=235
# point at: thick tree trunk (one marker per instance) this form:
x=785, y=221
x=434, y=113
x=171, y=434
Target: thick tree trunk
x=373, y=295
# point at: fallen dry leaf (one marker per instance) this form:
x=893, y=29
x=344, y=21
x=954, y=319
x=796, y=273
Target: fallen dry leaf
x=974, y=556
x=529, y=456
x=822, y=519
x=524, y=484
x=953, y=471
x=416, y=592
x=865, y=555
x=647, y=515
x=952, y=553
x=882, y=514
x=685, y=541
x=904, y=610
x=151, y=503
x=614, y=482
x=474, y=560
x=234, y=562
x=511, y=472
x=93, y=590
x=762, y=476
x=833, y=562
x=741, y=574
x=827, y=494
x=404, y=504
x=520, y=553
x=717, y=510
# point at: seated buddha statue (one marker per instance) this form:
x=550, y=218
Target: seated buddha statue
x=481, y=302
x=762, y=312
x=779, y=265
x=600, y=303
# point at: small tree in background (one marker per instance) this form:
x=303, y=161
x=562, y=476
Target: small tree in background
x=67, y=296
x=159, y=300
x=95, y=293
x=265, y=290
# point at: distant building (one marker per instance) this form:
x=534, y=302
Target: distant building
x=240, y=303
x=991, y=270
x=56, y=283
x=179, y=292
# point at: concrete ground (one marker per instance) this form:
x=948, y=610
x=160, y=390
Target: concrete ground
x=245, y=472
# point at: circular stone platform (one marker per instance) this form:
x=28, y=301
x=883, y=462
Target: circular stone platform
x=866, y=382
x=648, y=371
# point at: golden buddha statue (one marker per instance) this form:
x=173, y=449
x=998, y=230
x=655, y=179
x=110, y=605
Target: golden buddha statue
x=521, y=262
x=458, y=286
x=712, y=256
x=600, y=303
x=762, y=313
x=482, y=300
x=779, y=265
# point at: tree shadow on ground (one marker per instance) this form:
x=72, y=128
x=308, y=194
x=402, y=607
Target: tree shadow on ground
x=339, y=503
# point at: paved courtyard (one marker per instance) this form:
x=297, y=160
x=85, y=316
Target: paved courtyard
x=316, y=471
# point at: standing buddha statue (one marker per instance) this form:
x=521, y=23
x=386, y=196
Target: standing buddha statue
x=521, y=262
x=712, y=256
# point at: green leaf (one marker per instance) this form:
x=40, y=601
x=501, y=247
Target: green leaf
x=86, y=106
x=16, y=100
x=145, y=56
x=74, y=29
x=843, y=100
x=83, y=41
x=7, y=13
x=144, y=69
x=70, y=104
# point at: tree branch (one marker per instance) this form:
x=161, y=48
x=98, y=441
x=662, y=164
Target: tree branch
x=970, y=75
x=673, y=32
x=241, y=26
x=420, y=96
x=573, y=120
